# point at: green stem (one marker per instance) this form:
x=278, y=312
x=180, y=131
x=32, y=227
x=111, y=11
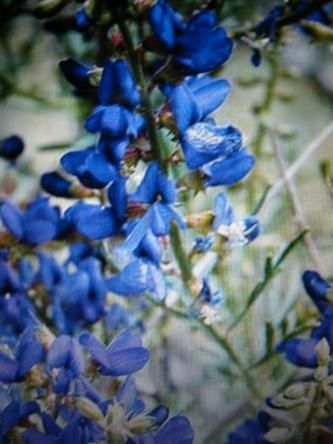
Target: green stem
x=262, y=109
x=145, y=96
x=180, y=254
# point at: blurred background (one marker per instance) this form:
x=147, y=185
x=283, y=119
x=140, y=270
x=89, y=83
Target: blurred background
x=284, y=110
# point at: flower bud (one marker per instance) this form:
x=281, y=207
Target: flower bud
x=295, y=391
x=89, y=409
x=323, y=352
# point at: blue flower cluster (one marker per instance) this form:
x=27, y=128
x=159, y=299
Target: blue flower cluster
x=59, y=370
x=117, y=233
x=284, y=416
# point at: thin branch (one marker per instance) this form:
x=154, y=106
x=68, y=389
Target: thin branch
x=317, y=143
x=297, y=207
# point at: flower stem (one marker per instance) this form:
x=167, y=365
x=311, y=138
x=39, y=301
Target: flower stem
x=137, y=67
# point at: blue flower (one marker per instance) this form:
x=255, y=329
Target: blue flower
x=92, y=220
x=38, y=224
x=123, y=356
x=76, y=73
x=13, y=414
x=236, y=232
x=204, y=142
x=11, y=147
x=300, y=351
x=193, y=100
x=199, y=45
x=138, y=277
x=159, y=193
x=317, y=288
x=114, y=116
x=72, y=433
x=230, y=169
x=82, y=20
x=251, y=431
x=65, y=355
x=91, y=167
x=55, y=184
x=29, y=352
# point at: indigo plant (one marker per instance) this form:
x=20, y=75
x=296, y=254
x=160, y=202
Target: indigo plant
x=127, y=240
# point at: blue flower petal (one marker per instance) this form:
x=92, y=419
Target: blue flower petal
x=11, y=147
x=202, y=50
x=185, y=108
x=317, y=288
x=73, y=160
x=59, y=353
x=164, y=22
x=118, y=85
x=229, y=170
x=118, y=197
x=210, y=93
x=8, y=368
x=53, y=183
x=76, y=73
x=204, y=19
x=93, y=123
x=177, y=430
x=9, y=417
x=29, y=351
x=94, y=222
x=12, y=218
x=204, y=142
x=301, y=352
x=132, y=281
x=115, y=121
x=39, y=231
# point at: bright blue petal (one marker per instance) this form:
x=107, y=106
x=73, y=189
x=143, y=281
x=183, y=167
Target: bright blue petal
x=164, y=22
x=202, y=50
x=76, y=73
x=115, y=121
x=118, y=197
x=53, y=183
x=229, y=170
x=203, y=19
x=11, y=147
x=148, y=188
x=93, y=123
x=210, y=93
x=73, y=160
x=39, y=231
x=204, y=142
x=132, y=281
x=97, y=223
x=12, y=218
x=184, y=107
x=118, y=85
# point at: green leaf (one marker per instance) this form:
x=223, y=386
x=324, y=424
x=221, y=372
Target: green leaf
x=270, y=270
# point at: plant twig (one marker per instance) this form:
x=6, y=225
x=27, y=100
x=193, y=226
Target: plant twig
x=317, y=143
x=296, y=206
